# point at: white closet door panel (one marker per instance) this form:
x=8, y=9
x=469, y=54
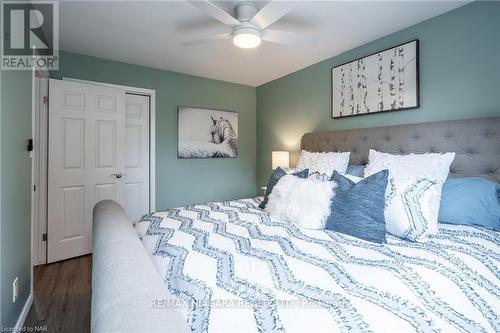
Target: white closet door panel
x=73, y=100
x=105, y=104
x=73, y=143
x=136, y=155
x=85, y=150
x=105, y=143
x=133, y=146
x=73, y=206
x=105, y=192
x=133, y=193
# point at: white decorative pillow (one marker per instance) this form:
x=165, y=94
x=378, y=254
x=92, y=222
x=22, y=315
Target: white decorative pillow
x=324, y=163
x=304, y=202
x=411, y=207
x=433, y=166
x=423, y=174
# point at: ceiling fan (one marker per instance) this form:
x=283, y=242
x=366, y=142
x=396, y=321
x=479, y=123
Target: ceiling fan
x=249, y=26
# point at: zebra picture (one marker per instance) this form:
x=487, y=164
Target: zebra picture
x=206, y=133
x=383, y=81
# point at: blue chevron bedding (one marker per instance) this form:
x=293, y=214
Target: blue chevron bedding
x=229, y=267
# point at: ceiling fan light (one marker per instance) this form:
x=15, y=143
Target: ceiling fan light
x=246, y=38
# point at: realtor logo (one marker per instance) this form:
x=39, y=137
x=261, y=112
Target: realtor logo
x=30, y=35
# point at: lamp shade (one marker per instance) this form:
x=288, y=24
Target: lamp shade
x=280, y=159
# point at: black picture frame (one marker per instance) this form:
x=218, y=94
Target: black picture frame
x=202, y=109
x=417, y=78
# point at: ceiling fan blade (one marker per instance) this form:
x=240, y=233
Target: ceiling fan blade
x=285, y=37
x=214, y=11
x=206, y=40
x=272, y=12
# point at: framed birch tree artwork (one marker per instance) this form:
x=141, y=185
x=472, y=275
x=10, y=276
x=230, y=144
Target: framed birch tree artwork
x=380, y=82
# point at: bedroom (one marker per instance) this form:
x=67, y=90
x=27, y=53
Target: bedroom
x=161, y=107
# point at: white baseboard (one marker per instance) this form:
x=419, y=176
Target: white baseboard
x=24, y=314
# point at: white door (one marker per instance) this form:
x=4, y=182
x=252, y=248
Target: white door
x=87, y=159
x=136, y=156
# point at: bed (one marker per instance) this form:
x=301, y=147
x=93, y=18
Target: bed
x=229, y=267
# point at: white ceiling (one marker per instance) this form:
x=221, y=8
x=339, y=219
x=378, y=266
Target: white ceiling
x=149, y=33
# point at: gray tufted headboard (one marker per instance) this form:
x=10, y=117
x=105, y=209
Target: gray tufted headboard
x=476, y=143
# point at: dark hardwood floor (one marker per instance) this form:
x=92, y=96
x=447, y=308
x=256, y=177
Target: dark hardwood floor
x=62, y=293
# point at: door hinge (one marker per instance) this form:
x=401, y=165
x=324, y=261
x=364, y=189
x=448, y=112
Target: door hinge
x=30, y=145
x=34, y=188
x=45, y=100
x=44, y=237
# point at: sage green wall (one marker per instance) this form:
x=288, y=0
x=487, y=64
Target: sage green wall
x=182, y=181
x=178, y=181
x=459, y=78
x=15, y=226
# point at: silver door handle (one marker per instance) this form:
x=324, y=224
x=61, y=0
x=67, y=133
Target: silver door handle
x=117, y=175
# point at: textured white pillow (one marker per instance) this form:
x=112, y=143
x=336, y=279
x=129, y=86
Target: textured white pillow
x=303, y=202
x=416, y=180
x=432, y=166
x=411, y=207
x=323, y=163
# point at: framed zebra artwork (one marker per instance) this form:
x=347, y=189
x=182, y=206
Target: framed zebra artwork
x=207, y=133
x=387, y=80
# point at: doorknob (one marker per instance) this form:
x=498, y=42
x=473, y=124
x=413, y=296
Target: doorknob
x=117, y=175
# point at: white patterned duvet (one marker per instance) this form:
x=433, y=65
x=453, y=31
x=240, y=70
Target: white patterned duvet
x=230, y=268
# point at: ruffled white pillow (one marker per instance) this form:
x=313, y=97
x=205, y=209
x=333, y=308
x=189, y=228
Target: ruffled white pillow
x=324, y=163
x=304, y=202
x=433, y=166
x=414, y=191
x=410, y=207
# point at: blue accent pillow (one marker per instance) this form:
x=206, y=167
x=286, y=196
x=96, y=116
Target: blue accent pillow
x=470, y=201
x=273, y=180
x=356, y=170
x=357, y=209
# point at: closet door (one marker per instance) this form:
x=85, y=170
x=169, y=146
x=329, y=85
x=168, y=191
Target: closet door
x=86, y=161
x=136, y=156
